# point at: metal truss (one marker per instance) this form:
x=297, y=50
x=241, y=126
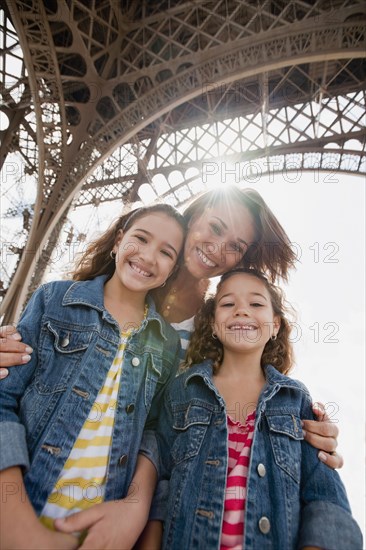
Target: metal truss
x=115, y=95
x=297, y=137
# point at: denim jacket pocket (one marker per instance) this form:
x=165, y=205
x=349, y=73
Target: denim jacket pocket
x=62, y=347
x=285, y=434
x=190, y=421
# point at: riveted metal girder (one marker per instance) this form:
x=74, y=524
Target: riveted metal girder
x=108, y=81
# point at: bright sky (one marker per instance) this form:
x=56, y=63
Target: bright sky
x=326, y=222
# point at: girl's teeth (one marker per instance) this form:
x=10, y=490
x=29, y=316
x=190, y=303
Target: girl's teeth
x=138, y=270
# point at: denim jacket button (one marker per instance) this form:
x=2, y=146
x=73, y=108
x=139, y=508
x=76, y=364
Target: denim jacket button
x=65, y=342
x=122, y=460
x=135, y=361
x=261, y=469
x=130, y=408
x=264, y=525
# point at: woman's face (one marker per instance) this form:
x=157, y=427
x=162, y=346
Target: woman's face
x=217, y=240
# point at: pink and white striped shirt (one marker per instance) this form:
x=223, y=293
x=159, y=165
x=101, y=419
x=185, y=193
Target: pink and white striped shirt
x=240, y=439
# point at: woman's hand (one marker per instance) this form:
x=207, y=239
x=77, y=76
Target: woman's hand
x=322, y=434
x=12, y=350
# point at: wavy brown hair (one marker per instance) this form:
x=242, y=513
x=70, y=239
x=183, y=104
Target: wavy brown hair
x=271, y=250
x=96, y=260
x=203, y=345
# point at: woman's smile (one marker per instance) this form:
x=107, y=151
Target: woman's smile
x=205, y=260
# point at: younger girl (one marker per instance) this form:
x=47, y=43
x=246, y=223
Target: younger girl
x=72, y=420
x=230, y=435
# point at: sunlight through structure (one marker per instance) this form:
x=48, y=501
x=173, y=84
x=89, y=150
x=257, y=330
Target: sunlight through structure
x=137, y=101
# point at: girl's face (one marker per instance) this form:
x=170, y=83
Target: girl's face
x=217, y=240
x=147, y=252
x=244, y=318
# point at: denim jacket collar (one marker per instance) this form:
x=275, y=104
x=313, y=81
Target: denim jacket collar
x=274, y=379
x=203, y=370
x=90, y=293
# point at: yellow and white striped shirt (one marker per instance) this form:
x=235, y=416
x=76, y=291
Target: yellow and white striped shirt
x=82, y=481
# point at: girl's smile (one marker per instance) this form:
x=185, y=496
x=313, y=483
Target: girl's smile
x=242, y=326
x=139, y=269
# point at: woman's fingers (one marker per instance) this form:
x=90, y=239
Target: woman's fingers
x=324, y=443
x=12, y=350
x=9, y=331
x=333, y=460
x=322, y=434
x=324, y=429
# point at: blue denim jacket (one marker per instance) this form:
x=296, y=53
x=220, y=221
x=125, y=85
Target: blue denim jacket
x=293, y=499
x=44, y=404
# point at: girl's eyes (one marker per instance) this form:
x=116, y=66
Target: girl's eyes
x=144, y=240
x=141, y=238
x=167, y=253
x=231, y=304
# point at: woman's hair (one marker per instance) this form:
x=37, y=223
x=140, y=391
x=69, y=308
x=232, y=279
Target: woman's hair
x=271, y=250
x=203, y=345
x=96, y=260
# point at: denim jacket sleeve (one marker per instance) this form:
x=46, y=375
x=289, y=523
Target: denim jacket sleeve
x=165, y=432
x=326, y=520
x=164, y=439
x=12, y=432
x=149, y=445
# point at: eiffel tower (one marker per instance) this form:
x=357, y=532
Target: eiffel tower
x=105, y=100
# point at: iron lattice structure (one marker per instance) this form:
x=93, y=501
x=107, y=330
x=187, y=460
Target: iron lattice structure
x=119, y=97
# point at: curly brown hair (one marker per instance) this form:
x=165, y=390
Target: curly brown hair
x=96, y=260
x=203, y=345
x=271, y=251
